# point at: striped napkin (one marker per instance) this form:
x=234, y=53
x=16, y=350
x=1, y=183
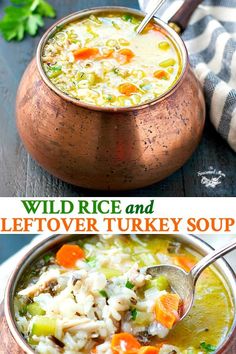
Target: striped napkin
x=211, y=42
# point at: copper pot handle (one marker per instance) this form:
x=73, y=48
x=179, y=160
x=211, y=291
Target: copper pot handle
x=180, y=19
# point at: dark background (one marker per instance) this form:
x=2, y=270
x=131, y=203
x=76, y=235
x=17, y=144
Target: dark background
x=10, y=244
x=21, y=176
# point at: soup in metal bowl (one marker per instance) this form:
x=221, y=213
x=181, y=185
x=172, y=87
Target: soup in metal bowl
x=92, y=296
x=101, y=60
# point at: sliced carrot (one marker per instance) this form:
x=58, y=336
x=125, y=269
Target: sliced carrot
x=156, y=28
x=149, y=350
x=124, y=55
x=68, y=255
x=85, y=53
x=124, y=343
x=148, y=28
x=151, y=27
x=127, y=89
x=161, y=75
x=166, y=309
x=93, y=351
x=185, y=262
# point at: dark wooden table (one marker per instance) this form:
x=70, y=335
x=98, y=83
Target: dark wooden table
x=21, y=176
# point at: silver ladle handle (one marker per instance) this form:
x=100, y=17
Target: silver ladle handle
x=210, y=258
x=150, y=14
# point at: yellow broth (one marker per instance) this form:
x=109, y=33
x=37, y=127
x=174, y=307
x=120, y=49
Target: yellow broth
x=204, y=324
x=100, y=60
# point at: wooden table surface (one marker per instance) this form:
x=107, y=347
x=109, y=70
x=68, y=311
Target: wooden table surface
x=21, y=176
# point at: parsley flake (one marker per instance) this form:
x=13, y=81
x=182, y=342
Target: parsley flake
x=103, y=293
x=24, y=17
x=129, y=285
x=134, y=313
x=207, y=347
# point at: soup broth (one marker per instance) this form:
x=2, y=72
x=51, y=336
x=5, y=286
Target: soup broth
x=101, y=60
x=91, y=296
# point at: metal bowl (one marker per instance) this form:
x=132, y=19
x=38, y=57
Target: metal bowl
x=196, y=244
x=104, y=147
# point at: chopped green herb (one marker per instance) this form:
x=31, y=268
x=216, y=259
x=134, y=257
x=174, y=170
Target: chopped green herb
x=207, y=347
x=23, y=311
x=47, y=258
x=134, y=313
x=55, y=68
x=129, y=285
x=91, y=261
x=116, y=71
x=127, y=17
x=59, y=27
x=24, y=16
x=103, y=293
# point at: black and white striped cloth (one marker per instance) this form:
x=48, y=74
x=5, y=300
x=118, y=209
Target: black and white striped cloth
x=211, y=42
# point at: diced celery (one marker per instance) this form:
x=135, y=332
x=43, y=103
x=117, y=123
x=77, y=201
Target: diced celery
x=31, y=341
x=167, y=62
x=90, y=31
x=95, y=19
x=123, y=41
x=34, y=309
x=170, y=70
x=143, y=318
x=139, y=74
x=111, y=43
x=91, y=77
x=123, y=100
x=147, y=259
x=191, y=351
x=164, y=45
x=115, y=25
x=136, y=99
x=161, y=283
x=54, y=72
x=110, y=273
x=135, y=21
x=44, y=326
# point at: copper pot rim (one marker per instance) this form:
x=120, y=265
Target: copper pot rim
x=55, y=239
x=177, y=40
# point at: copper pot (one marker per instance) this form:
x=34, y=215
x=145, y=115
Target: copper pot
x=196, y=244
x=109, y=148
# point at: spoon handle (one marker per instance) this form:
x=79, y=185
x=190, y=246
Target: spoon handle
x=210, y=258
x=180, y=19
x=156, y=5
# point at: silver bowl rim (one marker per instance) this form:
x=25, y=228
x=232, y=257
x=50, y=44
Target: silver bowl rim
x=72, y=17
x=51, y=241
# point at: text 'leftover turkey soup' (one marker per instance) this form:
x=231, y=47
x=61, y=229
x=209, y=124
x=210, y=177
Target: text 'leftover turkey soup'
x=100, y=60
x=93, y=296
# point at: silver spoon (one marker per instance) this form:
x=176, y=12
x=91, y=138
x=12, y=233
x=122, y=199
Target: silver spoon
x=155, y=6
x=183, y=283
